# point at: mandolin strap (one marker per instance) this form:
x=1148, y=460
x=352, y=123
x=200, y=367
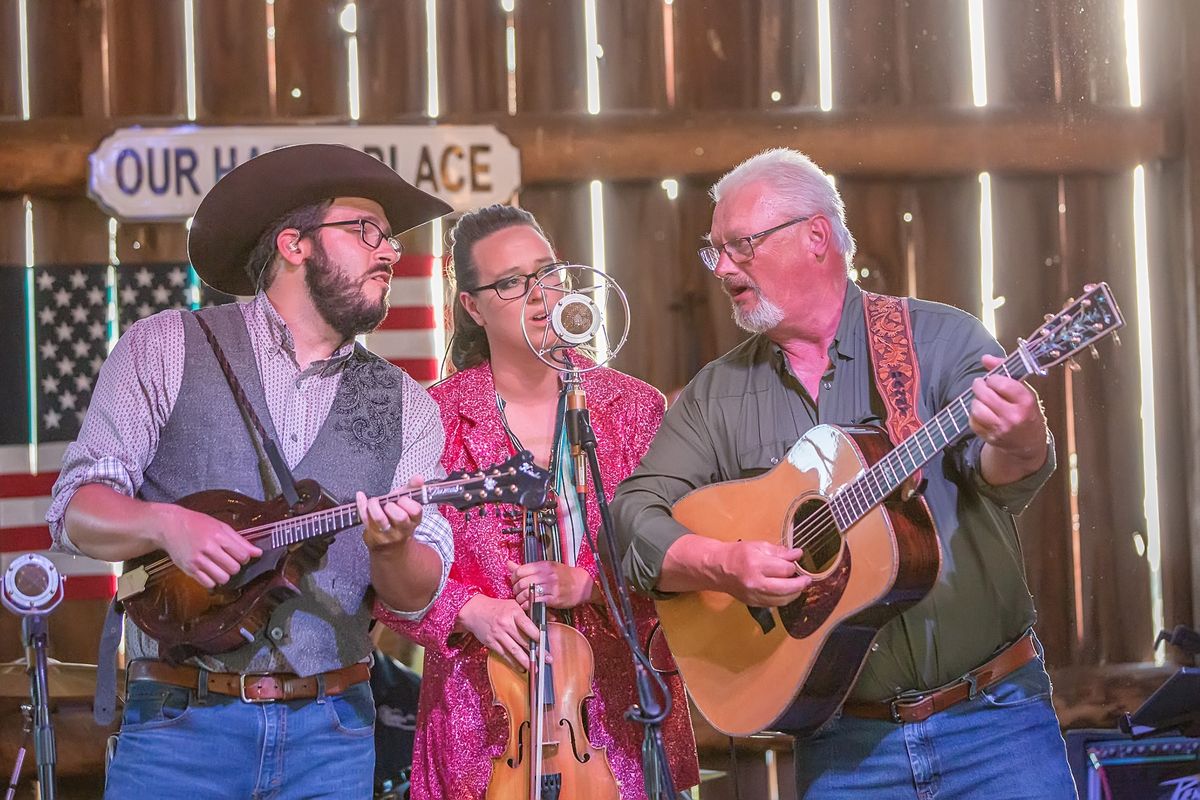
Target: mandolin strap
x=287, y=484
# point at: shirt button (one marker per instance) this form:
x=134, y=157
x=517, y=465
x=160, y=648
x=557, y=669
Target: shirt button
x=774, y=460
x=276, y=634
x=828, y=385
x=874, y=647
x=295, y=438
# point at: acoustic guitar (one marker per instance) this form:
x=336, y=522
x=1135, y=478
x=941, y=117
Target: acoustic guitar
x=188, y=619
x=871, y=552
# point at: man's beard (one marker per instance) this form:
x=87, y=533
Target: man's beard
x=339, y=299
x=764, y=316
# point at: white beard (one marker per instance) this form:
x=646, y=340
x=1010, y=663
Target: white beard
x=763, y=317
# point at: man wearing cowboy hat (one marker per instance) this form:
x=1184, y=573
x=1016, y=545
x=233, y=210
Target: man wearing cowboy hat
x=309, y=232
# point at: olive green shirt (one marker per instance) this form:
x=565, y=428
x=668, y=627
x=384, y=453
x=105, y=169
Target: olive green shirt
x=745, y=410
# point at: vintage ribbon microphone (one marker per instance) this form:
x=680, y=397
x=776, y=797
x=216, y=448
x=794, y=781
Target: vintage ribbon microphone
x=31, y=588
x=582, y=305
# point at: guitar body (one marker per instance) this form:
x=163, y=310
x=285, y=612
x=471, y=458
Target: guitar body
x=790, y=668
x=187, y=619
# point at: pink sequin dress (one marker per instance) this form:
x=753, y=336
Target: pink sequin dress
x=459, y=730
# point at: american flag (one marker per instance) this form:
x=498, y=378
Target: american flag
x=57, y=330
x=70, y=305
x=59, y=324
x=408, y=337
x=143, y=290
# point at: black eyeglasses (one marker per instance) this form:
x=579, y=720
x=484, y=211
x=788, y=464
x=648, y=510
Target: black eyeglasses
x=371, y=234
x=515, y=286
x=739, y=250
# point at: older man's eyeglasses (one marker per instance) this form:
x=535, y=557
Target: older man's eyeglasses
x=371, y=234
x=515, y=286
x=739, y=250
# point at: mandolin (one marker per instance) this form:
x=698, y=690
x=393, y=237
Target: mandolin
x=188, y=619
x=871, y=552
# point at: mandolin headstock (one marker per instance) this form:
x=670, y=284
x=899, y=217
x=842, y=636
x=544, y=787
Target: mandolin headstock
x=518, y=481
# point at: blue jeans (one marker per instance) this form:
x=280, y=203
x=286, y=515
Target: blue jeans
x=1004, y=744
x=173, y=746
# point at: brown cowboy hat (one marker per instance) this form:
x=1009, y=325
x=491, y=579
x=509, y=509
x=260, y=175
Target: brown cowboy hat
x=236, y=211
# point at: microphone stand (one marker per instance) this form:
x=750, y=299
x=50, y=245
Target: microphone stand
x=649, y=711
x=34, y=632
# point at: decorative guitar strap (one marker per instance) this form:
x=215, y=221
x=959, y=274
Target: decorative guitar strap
x=894, y=364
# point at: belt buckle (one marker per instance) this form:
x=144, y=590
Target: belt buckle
x=972, y=685
x=242, y=688
x=905, y=701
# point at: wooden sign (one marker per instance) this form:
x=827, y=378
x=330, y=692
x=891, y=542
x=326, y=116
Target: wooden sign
x=162, y=173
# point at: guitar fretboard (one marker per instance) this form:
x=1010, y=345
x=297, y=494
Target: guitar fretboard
x=870, y=488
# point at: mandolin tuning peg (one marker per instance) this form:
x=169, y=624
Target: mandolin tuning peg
x=1116, y=339
x=1048, y=317
x=1095, y=352
x=1073, y=365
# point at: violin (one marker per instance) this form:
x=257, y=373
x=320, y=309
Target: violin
x=548, y=755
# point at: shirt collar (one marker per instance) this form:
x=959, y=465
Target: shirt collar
x=850, y=327
x=845, y=339
x=281, y=341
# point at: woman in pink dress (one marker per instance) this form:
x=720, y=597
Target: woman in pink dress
x=502, y=396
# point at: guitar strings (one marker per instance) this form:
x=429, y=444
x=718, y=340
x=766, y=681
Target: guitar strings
x=817, y=524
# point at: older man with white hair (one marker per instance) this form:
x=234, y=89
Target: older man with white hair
x=953, y=699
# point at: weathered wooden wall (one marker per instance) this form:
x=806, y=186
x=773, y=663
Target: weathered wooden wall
x=1052, y=65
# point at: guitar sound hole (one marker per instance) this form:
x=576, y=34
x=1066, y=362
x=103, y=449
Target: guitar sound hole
x=813, y=530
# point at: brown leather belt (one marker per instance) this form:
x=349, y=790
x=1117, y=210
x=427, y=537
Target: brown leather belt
x=251, y=687
x=919, y=707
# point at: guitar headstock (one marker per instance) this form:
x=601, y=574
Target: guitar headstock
x=1081, y=323
x=518, y=481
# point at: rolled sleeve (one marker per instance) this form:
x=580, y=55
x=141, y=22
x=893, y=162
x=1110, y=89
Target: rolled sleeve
x=134, y=394
x=435, y=534
x=80, y=469
x=1014, y=497
x=423, y=457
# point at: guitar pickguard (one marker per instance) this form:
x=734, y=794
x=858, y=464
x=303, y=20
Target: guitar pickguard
x=808, y=612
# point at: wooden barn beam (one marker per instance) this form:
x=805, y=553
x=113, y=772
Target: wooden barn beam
x=49, y=156
x=621, y=147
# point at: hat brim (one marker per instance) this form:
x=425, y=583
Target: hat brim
x=236, y=211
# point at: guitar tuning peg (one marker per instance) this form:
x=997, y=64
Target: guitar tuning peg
x=1073, y=365
x=1095, y=353
x=1116, y=339
x=1048, y=317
